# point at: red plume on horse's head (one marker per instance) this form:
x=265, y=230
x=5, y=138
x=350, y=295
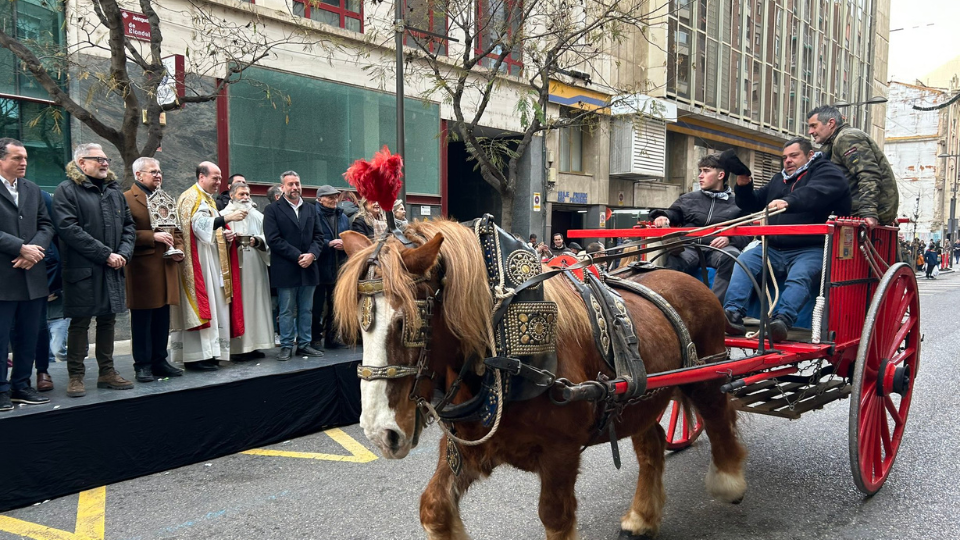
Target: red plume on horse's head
x=377, y=180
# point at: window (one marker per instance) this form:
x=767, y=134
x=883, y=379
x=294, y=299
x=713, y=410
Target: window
x=342, y=13
x=44, y=131
x=429, y=15
x=571, y=146
x=498, y=21
x=40, y=29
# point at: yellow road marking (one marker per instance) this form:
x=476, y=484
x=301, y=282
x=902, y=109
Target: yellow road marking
x=358, y=452
x=91, y=513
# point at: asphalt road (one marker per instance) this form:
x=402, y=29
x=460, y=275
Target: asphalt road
x=798, y=475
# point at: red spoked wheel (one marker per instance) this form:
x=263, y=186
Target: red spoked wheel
x=681, y=422
x=887, y=362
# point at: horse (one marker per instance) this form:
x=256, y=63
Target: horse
x=376, y=299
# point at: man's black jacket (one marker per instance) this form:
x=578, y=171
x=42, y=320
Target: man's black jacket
x=812, y=196
x=697, y=209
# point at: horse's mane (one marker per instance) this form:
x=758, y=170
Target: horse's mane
x=466, y=293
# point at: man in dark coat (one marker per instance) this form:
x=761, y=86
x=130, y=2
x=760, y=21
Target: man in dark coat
x=25, y=228
x=153, y=283
x=292, y=228
x=810, y=188
x=713, y=203
x=223, y=199
x=97, y=236
x=333, y=221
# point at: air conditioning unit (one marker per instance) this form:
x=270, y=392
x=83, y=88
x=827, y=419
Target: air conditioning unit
x=638, y=148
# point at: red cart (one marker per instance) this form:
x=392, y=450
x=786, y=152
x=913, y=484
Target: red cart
x=864, y=340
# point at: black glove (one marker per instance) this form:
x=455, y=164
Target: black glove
x=732, y=164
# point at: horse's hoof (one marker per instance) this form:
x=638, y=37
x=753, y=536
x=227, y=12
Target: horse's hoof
x=738, y=501
x=627, y=535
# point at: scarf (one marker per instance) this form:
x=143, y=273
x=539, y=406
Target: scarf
x=722, y=195
x=796, y=174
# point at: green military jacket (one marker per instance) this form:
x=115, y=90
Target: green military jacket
x=873, y=187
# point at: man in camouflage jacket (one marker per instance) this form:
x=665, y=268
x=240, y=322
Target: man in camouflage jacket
x=872, y=184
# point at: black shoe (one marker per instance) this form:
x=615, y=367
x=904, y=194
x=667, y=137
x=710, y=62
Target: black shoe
x=202, y=365
x=256, y=355
x=333, y=344
x=778, y=329
x=5, y=403
x=144, y=374
x=734, y=323
x=29, y=396
x=242, y=357
x=166, y=369
x=316, y=344
x=307, y=350
x=285, y=354
x=213, y=364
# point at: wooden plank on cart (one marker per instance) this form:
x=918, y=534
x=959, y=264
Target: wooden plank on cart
x=774, y=400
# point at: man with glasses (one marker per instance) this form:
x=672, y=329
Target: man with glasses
x=153, y=283
x=96, y=239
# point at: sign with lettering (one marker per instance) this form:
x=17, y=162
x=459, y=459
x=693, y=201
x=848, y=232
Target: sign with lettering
x=135, y=25
x=574, y=197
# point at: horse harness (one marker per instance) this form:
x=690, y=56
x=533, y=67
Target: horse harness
x=524, y=326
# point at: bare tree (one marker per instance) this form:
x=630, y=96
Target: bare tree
x=531, y=41
x=222, y=49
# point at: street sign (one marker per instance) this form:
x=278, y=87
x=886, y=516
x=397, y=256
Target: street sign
x=536, y=201
x=135, y=25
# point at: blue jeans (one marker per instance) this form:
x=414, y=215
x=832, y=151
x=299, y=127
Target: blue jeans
x=58, y=337
x=296, y=315
x=800, y=267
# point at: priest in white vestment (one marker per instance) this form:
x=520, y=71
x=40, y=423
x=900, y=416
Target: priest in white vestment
x=210, y=311
x=254, y=256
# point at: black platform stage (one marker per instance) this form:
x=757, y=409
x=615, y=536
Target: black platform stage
x=73, y=444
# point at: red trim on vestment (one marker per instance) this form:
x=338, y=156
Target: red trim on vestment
x=236, y=304
x=203, y=301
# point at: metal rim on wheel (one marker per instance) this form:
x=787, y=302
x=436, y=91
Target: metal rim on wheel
x=887, y=361
x=683, y=424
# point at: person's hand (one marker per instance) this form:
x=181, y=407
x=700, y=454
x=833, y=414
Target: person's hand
x=116, y=261
x=52, y=297
x=236, y=215
x=777, y=204
x=229, y=235
x=31, y=252
x=254, y=241
x=662, y=221
x=177, y=258
x=872, y=221
x=305, y=259
x=163, y=238
x=720, y=242
x=336, y=243
x=22, y=262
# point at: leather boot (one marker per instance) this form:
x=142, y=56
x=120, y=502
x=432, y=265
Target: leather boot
x=166, y=369
x=75, y=387
x=144, y=374
x=44, y=382
x=113, y=381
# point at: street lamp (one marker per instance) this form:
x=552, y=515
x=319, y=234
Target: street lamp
x=872, y=101
x=953, y=199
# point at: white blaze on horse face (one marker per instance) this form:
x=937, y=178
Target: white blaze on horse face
x=376, y=416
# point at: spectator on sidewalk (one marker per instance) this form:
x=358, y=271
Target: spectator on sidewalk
x=153, y=281
x=96, y=240
x=931, y=259
x=25, y=231
x=254, y=259
x=400, y=214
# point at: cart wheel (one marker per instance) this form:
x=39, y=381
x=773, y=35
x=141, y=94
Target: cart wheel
x=883, y=376
x=682, y=429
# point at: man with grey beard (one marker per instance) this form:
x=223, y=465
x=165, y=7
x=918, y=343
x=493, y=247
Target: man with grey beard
x=254, y=258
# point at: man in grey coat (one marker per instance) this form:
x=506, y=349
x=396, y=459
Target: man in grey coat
x=97, y=235
x=25, y=230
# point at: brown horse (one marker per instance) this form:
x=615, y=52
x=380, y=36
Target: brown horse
x=535, y=435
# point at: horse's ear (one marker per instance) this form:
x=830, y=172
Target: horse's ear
x=419, y=260
x=353, y=242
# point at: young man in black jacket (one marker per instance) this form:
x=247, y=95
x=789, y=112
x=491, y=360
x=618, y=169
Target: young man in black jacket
x=811, y=188
x=713, y=203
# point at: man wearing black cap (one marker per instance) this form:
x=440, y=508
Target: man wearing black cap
x=332, y=223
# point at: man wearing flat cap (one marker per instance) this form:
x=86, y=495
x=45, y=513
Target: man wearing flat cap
x=332, y=223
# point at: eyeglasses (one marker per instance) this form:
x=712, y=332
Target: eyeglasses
x=157, y=172
x=100, y=160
